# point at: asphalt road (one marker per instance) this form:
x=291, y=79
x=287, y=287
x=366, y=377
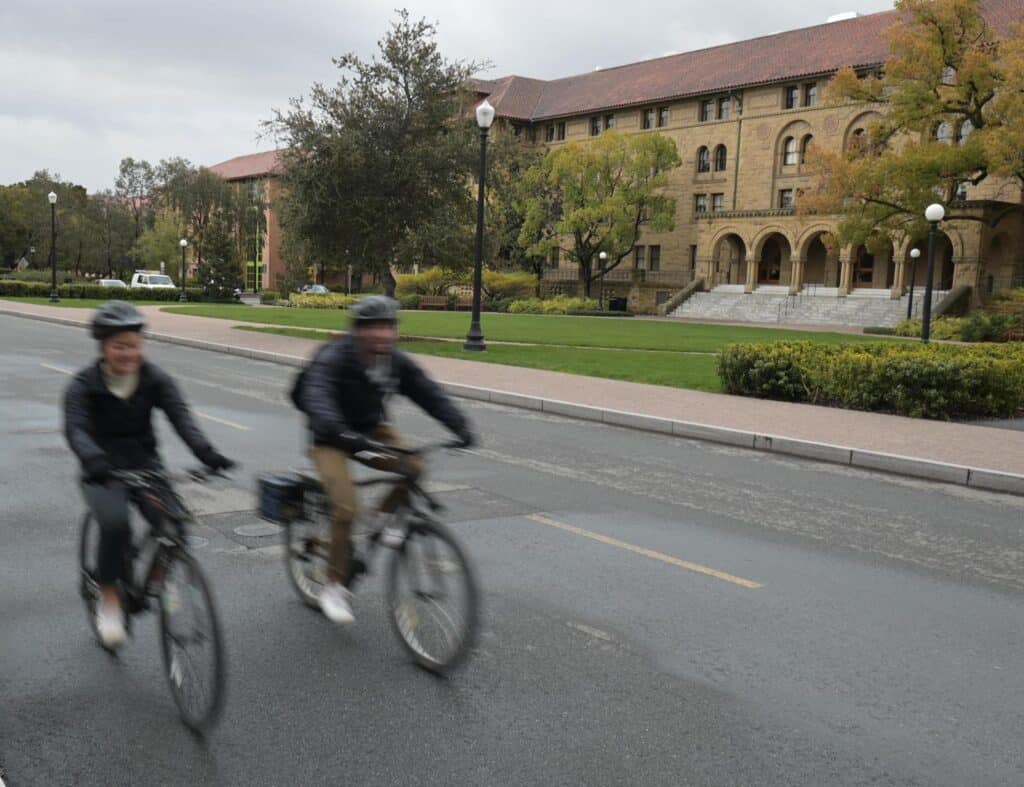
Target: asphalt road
x=657, y=611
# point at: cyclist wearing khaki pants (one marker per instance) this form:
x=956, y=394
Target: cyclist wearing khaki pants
x=344, y=393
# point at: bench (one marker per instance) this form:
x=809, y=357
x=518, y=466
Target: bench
x=434, y=302
x=1015, y=335
x=464, y=304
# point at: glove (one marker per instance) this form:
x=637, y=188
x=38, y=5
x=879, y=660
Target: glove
x=467, y=437
x=353, y=442
x=98, y=470
x=217, y=461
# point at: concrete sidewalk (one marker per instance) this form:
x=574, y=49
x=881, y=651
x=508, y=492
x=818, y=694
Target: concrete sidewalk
x=958, y=453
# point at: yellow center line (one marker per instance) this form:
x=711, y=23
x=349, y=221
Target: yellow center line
x=60, y=369
x=215, y=419
x=672, y=561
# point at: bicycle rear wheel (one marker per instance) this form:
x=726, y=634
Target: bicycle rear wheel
x=191, y=642
x=306, y=542
x=88, y=587
x=432, y=597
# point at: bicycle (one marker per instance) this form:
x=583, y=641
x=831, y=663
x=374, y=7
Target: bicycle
x=171, y=577
x=429, y=578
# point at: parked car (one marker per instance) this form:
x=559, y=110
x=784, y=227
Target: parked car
x=313, y=289
x=152, y=280
x=114, y=283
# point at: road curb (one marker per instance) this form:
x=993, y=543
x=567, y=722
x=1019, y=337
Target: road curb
x=897, y=464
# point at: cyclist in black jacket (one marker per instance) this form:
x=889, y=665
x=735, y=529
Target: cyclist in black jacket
x=344, y=393
x=108, y=424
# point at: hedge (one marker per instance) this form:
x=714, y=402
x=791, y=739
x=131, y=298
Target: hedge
x=561, y=304
x=330, y=301
x=979, y=327
x=923, y=381
x=269, y=296
x=23, y=289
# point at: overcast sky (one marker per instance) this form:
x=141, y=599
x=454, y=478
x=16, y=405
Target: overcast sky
x=84, y=83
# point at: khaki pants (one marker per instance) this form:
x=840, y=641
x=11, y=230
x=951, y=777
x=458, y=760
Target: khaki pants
x=332, y=465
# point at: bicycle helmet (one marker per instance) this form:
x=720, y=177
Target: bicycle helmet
x=114, y=317
x=375, y=308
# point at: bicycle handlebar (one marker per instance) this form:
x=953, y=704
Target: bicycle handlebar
x=387, y=449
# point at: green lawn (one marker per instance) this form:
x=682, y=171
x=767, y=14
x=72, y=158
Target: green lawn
x=79, y=303
x=678, y=370
x=537, y=329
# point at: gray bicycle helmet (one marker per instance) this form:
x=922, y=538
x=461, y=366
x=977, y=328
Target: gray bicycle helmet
x=114, y=317
x=375, y=308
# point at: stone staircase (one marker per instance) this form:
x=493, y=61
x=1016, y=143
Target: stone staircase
x=820, y=306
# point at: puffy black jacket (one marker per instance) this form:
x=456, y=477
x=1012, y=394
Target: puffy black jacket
x=338, y=395
x=106, y=431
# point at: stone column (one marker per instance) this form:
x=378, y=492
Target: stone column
x=751, y=283
x=845, y=277
x=796, y=275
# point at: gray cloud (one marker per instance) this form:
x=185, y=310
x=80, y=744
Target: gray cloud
x=86, y=82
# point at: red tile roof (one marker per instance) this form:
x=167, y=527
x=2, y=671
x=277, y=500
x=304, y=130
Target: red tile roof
x=808, y=52
x=254, y=165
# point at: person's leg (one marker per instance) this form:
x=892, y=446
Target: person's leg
x=409, y=466
x=109, y=504
x=332, y=465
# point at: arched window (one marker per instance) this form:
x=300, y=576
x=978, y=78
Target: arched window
x=721, y=158
x=944, y=132
x=966, y=129
x=858, y=140
x=789, y=154
x=804, y=145
x=703, y=160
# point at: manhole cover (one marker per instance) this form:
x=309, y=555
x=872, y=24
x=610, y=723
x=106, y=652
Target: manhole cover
x=258, y=529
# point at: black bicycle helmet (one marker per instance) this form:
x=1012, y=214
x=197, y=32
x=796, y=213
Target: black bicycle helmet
x=114, y=317
x=375, y=308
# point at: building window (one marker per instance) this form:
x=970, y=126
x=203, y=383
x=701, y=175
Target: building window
x=517, y=131
x=717, y=203
x=549, y=133
x=531, y=134
x=858, y=140
x=700, y=203
x=721, y=158
x=786, y=198
x=804, y=145
x=724, y=108
x=790, y=96
x=944, y=132
x=662, y=117
x=966, y=129
x=639, y=261
x=789, y=152
x=555, y=256
x=595, y=126
x=961, y=191
x=654, y=258
x=707, y=110
x=609, y=121
x=693, y=258
x=810, y=94
x=647, y=119
x=703, y=160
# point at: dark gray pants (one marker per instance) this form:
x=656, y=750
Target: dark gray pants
x=110, y=504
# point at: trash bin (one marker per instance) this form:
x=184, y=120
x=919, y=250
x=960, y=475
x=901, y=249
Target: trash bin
x=618, y=304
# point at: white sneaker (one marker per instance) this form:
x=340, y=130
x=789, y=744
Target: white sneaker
x=335, y=603
x=110, y=625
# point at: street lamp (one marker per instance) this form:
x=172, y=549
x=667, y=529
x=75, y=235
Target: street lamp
x=183, y=298
x=475, y=337
x=603, y=256
x=934, y=213
x=914, y=255
x=54, y=297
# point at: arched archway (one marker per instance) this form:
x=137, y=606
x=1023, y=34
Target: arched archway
x=773, y=264
x=944, y=267
x=815, y=261
x=1002, y=270
x=873, y=270
x=730, y=257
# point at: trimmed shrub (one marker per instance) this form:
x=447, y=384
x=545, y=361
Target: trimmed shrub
x=560, y=304
x=922, y=381
x=22, y=289
x=508, y=286
x=945, y=328
x=409, y=301
x=329, y=301
x=880, y=330
x=605, y=313
x=44, y=276
x=432, y=281
x=982, y=327
x=269, y=296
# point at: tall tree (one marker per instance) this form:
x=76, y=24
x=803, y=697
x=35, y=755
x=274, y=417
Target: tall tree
x=136, y=186
x=218, y=273
x=376, y=167
x=601, y=195
x=159, y=244
x=951, y=112
x=199, y=196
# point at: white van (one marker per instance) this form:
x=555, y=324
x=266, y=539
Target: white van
x=151, y=280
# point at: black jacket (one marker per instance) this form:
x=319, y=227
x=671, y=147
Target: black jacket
x=338, y=395
x=105, y=431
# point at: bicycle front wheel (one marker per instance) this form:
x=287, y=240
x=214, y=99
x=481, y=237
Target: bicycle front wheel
x=432, y=598
x=191, y=642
